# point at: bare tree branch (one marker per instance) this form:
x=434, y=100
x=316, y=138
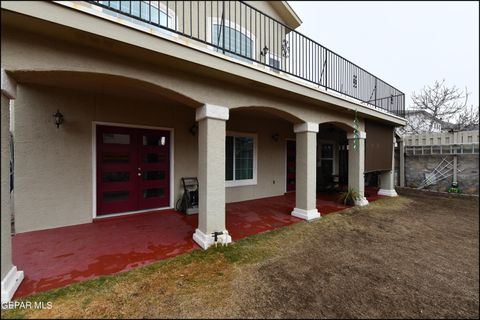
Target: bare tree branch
x=441, y=103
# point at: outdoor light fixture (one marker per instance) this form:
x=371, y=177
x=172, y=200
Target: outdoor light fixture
x=275, y=137
x=264, y=51
x=58, y=118
x=193, y=129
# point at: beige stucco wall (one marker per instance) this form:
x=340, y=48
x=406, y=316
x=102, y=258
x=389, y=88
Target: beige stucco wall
x=271, y=155
x=53, y=167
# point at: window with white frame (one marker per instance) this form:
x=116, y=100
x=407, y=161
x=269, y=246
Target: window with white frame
x=240, y=160
x=238, y=42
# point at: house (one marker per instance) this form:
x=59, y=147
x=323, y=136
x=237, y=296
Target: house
x=114, y=101
x=419, y=121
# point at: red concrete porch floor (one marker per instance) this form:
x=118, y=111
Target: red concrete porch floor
x=57, y=257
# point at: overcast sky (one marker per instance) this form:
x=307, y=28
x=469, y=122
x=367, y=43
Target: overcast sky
x=407, y=44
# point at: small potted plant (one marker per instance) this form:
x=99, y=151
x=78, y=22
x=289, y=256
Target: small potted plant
x=348, y=197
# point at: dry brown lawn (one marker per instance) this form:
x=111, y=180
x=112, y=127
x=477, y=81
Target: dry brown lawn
x=407, y=257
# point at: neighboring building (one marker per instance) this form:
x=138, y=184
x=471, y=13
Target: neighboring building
x=419, y=121
x=152, y=91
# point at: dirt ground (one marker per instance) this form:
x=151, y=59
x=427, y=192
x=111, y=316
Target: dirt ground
x=409, y=257
x=420, y=260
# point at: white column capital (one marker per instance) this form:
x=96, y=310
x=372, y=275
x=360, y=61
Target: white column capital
x=9, y=85
x=305, y=127
x=361, y=135
x=212, y=112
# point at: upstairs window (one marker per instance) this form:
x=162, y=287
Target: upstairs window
x=154, y=12
x=239, y=42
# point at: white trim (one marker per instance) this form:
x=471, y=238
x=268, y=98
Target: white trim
x=9, y=85
x=245, y=182
x=388, y=193
x=10, y=283
x=126, y=213
x=205, y=241
x=362, y=201
x=306, y=127
x=215, y=20
x=212, y=112
x=94, y=166
x=361, y=135
x=306, y=214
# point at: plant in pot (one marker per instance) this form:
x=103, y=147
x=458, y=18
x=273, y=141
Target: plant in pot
x=348, y=197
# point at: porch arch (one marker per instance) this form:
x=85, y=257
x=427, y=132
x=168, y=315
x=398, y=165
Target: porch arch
x=274, y=111
x=109, y=83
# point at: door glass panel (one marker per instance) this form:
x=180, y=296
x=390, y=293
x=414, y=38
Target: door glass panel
x=327, y=151
x=116, y=157
x=154, y=140
x=327, y=167
x=243, y=158
x=116, y=176
x=154, y=175
x=116, y=138
x=113, y=196
x=229, y=158
x=153, y=158
x=153, y=192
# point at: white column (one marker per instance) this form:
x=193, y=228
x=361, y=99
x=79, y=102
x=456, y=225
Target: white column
x=211, y=174
x=387, y=178
x=356, y=166
x=306, y=168
x=401, y=164
x=11, y=277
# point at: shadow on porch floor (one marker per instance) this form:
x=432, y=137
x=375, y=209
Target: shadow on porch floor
x=57, y=257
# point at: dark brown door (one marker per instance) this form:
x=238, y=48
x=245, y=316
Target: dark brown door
x=133, y=167
x=291, y=165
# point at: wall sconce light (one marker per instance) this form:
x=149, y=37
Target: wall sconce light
x=58, y=116
x=193, y=129
x=275, y=137
x=264, y=51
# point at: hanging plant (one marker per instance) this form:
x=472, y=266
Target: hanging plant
x=356, y=132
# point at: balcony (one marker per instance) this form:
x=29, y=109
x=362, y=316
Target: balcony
x=238, y=30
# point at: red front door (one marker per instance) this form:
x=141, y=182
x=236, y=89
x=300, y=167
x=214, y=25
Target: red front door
x=133, y=169
x=291, y=165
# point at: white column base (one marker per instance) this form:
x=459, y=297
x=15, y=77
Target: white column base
x=388, y=193
x=205, y=241
x=362, y=201
x=10, y=284
x=306, y=214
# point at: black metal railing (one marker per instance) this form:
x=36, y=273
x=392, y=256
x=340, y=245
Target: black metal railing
x=239, y=30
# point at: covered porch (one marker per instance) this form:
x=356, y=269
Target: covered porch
x=57, y=257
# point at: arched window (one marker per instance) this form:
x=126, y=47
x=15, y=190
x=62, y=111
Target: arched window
x=236, y=41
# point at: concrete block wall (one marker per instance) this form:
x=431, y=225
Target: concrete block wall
x=417, y=166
